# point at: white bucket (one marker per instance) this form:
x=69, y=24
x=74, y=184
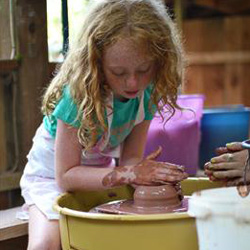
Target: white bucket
x=222, y=219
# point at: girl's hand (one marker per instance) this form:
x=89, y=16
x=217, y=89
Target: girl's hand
x=151, y=172
x=147, y=172
x=228, y=166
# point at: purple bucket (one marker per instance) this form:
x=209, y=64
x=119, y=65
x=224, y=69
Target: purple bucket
x=180, y=136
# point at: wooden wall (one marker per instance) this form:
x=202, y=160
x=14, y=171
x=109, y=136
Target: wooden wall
x=219, y=59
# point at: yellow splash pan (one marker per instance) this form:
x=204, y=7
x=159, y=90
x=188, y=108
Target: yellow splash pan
x=81, y=230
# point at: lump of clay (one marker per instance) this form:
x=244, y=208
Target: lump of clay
x=156, y=196
x=147, y=200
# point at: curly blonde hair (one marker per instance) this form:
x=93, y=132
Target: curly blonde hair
x=108, y=20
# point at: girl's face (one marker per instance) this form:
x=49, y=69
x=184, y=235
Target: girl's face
x=128, y=68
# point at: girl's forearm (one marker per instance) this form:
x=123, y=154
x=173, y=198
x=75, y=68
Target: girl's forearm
x=97, y=178
x=146, y=172
x=80, y=178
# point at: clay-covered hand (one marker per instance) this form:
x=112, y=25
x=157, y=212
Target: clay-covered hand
x=229, y=165
x=147, y=172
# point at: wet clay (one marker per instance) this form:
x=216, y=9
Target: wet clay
x=147, y=200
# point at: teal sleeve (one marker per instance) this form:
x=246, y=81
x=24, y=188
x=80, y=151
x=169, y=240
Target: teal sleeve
x=149, y=108
x=66, y=109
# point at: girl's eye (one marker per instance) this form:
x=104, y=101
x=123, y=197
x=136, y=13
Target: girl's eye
x=143, y=71
x=118, y=74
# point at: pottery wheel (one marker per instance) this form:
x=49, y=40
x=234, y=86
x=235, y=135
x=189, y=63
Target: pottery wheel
x=147, y=200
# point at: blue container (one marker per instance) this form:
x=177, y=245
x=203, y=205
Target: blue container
x=220, y=126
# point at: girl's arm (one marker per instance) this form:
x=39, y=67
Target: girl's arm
x=134, y=145
x=70, y=175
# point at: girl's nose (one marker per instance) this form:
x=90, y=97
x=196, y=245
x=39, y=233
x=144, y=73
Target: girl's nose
x=132, y=82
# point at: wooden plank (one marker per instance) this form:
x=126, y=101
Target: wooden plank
x=194, y=80
x=213, y=82
x=203, y=35
x=207, y=80
x=9, y=181
x=229, y=6
x=5, y=51
x=7, y=66
x=233, y=28
x=245, y=85
x=233, y=73
x=10, y=226
x=245, y=28
x=233, y=84
x=219, y=60
x=234, y=57
x=229, y=34
x=5, y=41
x=3, y=148
x=192, y=34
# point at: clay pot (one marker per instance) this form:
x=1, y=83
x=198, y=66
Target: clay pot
x=156, y=196
x=147, y=200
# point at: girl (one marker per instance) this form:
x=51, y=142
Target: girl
x=98, y=107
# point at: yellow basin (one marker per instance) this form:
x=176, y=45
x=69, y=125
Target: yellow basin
x=89, y=231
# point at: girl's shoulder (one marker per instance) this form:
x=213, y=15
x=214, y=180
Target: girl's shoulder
x=66, y=99
x=66, y=109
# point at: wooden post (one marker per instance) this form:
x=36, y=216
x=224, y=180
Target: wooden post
x=31, y=20
x=5, y=52
x=5, y=41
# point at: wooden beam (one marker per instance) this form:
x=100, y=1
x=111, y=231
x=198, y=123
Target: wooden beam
x=201, y=58
x=229, y=6
x=7, y=66
x=9, y=181
x=178, y=9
